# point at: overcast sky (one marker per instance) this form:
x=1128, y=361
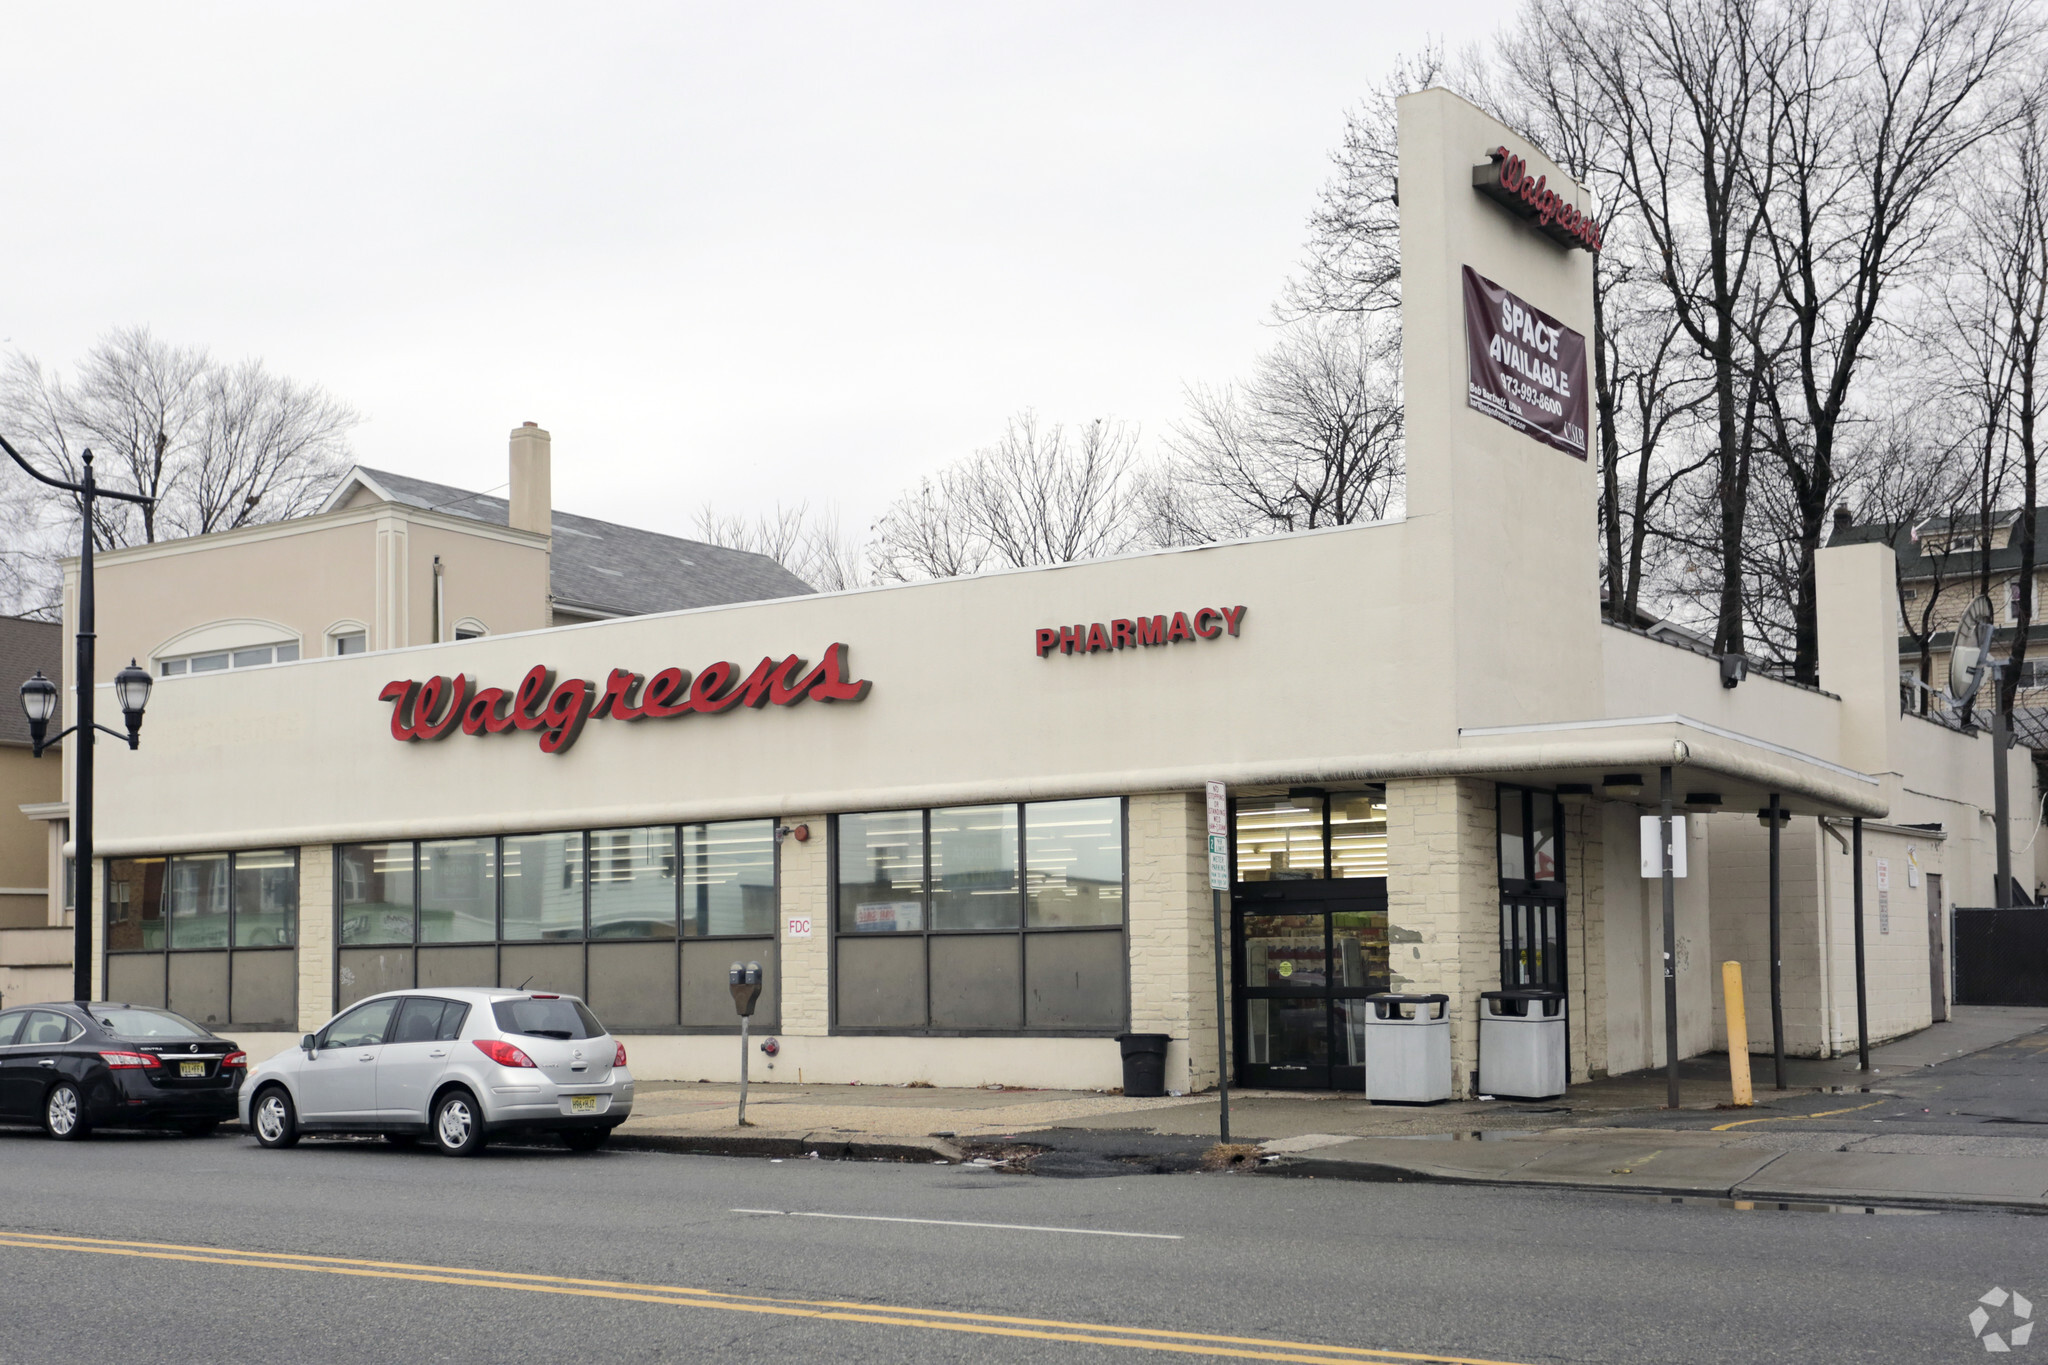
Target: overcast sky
x=736, y=253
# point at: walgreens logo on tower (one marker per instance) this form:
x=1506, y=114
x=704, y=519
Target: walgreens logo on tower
x=438, y=707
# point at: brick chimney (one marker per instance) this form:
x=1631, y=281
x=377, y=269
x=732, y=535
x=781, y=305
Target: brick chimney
x=532, y=495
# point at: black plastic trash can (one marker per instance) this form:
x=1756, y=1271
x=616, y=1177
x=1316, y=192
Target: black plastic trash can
x=1144, y=1063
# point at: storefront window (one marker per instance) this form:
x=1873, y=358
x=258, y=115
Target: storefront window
x=633, y=883
x=208, y=935
x=975, y=959
x=544, y=886
x=1358, y=834
x=1309, y=835
x=881, y=872
x=374, y=892
x=589, y=913
x=974, y=868
x=196, y=901
x=266, y=898
x=1279, y=838
x=729, y=878
x=459, y=891
x=1074, y=862
x=135, y=904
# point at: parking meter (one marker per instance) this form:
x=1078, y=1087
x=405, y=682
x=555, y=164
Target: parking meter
x=745, y=984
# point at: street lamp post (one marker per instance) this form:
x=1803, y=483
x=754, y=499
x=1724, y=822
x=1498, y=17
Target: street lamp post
x=39, y=702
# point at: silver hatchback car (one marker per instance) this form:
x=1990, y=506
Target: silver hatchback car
x=456, y=1066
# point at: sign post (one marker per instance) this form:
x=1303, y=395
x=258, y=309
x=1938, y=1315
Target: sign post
x=1219, y=882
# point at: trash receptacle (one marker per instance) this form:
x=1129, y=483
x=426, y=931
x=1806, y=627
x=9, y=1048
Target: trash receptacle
x=1521, y=1043
x=1144, y=1063
x=1408, y=1049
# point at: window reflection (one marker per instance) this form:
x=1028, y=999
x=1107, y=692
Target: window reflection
x=375, y=890
x=729, y=878
x=633, y=883
x=459, y=891
x=135, y=909
x=196, y=901
x=543, y=876
x=1074, y=862
x=974, y=868
x=266, y=898
x=881, y=872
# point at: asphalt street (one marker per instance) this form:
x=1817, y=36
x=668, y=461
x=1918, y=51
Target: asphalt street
x=166, y=1249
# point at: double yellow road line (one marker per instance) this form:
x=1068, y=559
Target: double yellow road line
x=677, y=1296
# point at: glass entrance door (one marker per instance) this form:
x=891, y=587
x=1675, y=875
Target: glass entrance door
x=1307, y=954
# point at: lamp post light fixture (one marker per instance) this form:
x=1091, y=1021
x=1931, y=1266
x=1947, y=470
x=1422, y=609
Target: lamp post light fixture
x=131, y=689
x=39, y=702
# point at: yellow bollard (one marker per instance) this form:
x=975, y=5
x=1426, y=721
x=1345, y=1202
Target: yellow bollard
x=1738, y=1034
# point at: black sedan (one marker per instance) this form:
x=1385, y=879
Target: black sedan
x=73, y=1066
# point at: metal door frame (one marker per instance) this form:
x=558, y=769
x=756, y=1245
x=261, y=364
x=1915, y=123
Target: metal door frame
x=1307, y=897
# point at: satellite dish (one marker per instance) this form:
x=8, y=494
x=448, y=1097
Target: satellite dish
x=1967, y=665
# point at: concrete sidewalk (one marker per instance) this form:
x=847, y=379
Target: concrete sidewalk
x=1835, y=1137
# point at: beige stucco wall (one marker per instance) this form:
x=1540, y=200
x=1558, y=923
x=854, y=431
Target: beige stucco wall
x=26, y=891
x=370, y=565
x=1633, y=938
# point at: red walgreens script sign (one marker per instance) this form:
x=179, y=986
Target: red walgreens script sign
x=1523, y=367
x=1125, y=633
x=437, y=707
x=1505, y=179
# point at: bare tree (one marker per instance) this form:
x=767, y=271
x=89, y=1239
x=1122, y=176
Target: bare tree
x=265, y=449
x=1875, y=107
x=216, y=447
x=1041, y=495
x=1354, y=252
x=1686, y=88
x=1313, y=439
x=2012, y=219
x=927, y=533
x=813, y=547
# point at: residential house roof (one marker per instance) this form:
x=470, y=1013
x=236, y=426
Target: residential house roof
x=602, y=567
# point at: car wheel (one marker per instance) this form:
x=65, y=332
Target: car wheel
x=458, y=1124
x=275, y=1120
x=402, y=1139
x=199, y=1127
x=64, y=1113
x=585, y=1139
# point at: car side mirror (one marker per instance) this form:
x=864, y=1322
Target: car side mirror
x=307, y=1045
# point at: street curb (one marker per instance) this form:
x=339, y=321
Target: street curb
x=828, y=1149
x=1379, y=1173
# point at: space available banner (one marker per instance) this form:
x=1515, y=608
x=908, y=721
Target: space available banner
x=1523, y=367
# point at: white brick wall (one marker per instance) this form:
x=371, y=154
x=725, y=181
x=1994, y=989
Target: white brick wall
x=806, y=963
x=1443, y=900
x=316, y=935
x=1172, y=953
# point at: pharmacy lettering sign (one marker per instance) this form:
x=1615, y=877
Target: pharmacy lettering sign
x=1523, y=367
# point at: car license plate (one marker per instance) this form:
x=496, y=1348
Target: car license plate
x=583, y=1104
x=191, y=1068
